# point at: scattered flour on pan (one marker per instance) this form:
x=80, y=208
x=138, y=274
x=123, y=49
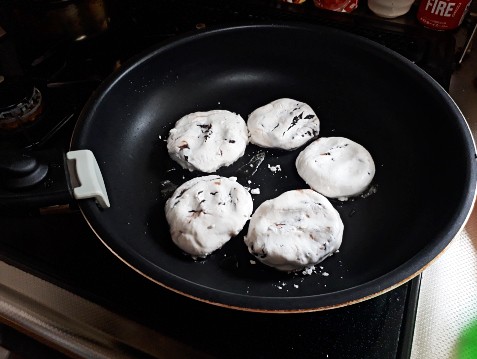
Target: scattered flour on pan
x=280, y=285
x=371, y=190
x=309, y=270
x=252, y=190
x=313, y=270
x=274, y=169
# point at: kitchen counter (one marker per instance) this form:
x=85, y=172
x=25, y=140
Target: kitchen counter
x=448, y=297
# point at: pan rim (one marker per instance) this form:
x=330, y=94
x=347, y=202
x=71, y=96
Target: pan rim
x=408, y=270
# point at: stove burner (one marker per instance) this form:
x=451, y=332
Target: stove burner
x=20, y=103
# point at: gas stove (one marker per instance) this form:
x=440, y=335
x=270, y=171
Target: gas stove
x=51, y=260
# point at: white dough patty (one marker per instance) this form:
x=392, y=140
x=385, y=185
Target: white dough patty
x=205, y=212
x=206, y=141
x=283, y=123
x=336, y=167
x=295, y=230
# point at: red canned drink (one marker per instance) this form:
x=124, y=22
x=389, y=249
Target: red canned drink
x=337, y=5
x=442, y=14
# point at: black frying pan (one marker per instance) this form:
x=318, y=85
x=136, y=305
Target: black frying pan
x=422, y=147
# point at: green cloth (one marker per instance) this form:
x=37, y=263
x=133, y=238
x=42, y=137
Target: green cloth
x=467, y=344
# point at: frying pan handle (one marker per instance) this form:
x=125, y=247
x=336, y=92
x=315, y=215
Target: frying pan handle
x=33, y=179
x=43, y=178
x=86, y=177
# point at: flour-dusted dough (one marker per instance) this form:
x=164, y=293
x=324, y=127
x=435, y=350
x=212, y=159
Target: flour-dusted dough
x=206, y=141
x=336, y=167
x=283, y=123
x=295, y=230
x=205, y=212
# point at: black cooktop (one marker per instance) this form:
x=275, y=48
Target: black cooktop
x=62, y=249
x=59, y=246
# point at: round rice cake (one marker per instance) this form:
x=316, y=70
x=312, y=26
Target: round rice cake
x=205, y=212
x=336, y=167
x=284, y=123
x=206, y=141
x=295, y=230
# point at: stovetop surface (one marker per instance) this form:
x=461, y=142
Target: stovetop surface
x=66, y=71
x=59, y=246
x=376, y=328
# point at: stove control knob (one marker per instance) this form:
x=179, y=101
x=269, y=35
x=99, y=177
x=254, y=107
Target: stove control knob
x=19, y=170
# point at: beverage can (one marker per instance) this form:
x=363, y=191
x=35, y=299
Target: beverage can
x=442, y=14
x=337, y=5
x=294, y=1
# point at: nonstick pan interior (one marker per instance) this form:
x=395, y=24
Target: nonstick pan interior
x=421, y=195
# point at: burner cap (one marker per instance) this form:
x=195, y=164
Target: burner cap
x=20, y=102
x=14, y=91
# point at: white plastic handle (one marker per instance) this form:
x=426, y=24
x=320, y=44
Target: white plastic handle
x=86, y=177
